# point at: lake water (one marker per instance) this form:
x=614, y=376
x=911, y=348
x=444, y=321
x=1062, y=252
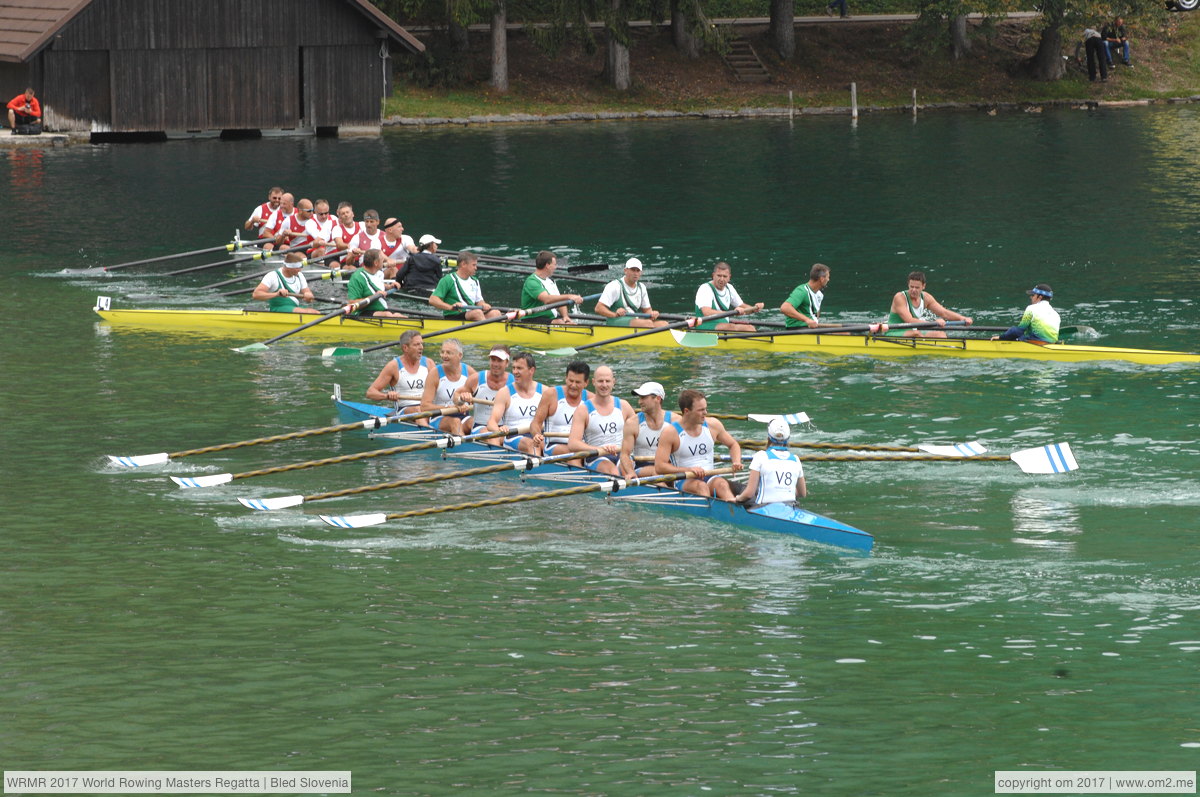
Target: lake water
x=1004, y=621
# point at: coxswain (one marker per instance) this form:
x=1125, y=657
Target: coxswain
x=539, y=288
x=641, y=438
x=803, y=305
x=446, y=390
x=551, y=428
x=402, y=380
x=776, y=474
x=483, y=387
x=422, y=270
x=367, y=281
x=625, y=298
x=718, y=296
x=265, y=212
x=1040, y=321
x=285, y=288
x=458, y=294
x=686, y=447
x=517, y=404
x=600, y=422
x=914, y=306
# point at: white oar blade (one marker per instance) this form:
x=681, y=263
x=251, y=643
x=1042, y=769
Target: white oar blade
x=790, y=418
x=139, y=461
x=1054, y=458
x=972, y=449
x=203, y=481
x=694, y=340
x=269, y=504
x=354, y=521
x=341, y=351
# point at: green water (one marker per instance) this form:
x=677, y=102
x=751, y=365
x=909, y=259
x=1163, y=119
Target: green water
x=1004, y=621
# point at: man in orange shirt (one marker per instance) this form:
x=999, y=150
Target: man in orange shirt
x=24, y=109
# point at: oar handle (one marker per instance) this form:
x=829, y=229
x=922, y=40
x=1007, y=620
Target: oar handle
x=693, y=321
x=245, y=277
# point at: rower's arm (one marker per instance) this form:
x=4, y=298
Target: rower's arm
x=628, y=441
x=668, y=441
x=263, y=293
x=791, y=312
x=747, y=495
x=937, y=309
x=900, y=308
x=579, y=422
x=381, y=388
x=438, y=302
x=606, y=311
x=498, y=410
x=721, y=435
x=545, y=407
x=430, y=392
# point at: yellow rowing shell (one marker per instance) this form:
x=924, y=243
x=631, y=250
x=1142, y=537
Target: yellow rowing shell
x=256, y=325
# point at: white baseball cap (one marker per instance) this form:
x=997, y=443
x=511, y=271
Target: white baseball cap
x=633, y=262
x=778, y=429
x=429, y=239
x=499, y=354
x=650, y=389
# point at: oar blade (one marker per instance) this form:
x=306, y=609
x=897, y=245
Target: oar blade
x=354, y=521
x=341, y=351
x=694, y=340
x=188, y=482
x=972, y=449
x=252, y=347
x=1053, y=458
x=271, y=504
x=566, y=351
x=139, y=461
x=790, y=418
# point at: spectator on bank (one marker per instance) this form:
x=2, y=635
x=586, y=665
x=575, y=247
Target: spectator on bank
x=1115, y=39
x=1093, y=45
x=839, y=6
x=24, y=109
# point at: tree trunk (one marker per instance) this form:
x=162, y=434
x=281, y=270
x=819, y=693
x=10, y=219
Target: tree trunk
x=1048, y=62
x=681, y=33
x=960, y=45
x=616, y=61
x=783, y=28
x=500, y=47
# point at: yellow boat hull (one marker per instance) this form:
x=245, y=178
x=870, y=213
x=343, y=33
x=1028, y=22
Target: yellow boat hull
x=255, y=325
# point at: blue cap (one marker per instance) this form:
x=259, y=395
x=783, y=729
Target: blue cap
x=1041, y=289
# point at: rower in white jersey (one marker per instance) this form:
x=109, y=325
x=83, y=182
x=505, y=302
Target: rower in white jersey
x=776, y=474
x=600, y=422
x=482, y=391
x=402, y=380
x=641, y=438
x=517, y=405
x=686, y=447
x=445, y=390
x=552, y=424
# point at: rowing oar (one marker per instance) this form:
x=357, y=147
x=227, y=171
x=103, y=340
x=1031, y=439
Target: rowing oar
x=507, y=270
x=516, y=261
x=971, y=449
x=245, y=277
x=615, y=485
x=511, y=315
x=760, y=323
x=852, y=329
x=519, y=465
x=762, y=417
x=230, y=247
x=442, y=442
x=160, y=459
x=1053, y=458
x=237, y=261
x=354, y=307
x=689, y=322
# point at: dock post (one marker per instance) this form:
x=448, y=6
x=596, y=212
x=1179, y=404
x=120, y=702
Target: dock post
x=854, y=101
x=791, y=107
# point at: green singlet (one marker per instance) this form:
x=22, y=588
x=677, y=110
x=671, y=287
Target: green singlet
x=531, y=289
x=287, y=304
x=918, y=313
x=360, y=287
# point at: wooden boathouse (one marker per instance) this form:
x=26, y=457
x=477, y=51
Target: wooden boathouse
x=201, y=67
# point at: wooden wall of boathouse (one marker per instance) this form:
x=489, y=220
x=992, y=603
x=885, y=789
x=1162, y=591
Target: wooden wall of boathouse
x=130, y=66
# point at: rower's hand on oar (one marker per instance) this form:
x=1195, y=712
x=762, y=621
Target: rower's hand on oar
x=575, y=297
x=754, y=308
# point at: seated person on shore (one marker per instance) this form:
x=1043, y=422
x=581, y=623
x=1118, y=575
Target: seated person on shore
x=623, y=298
x=422, y=269
x=718, y=296
x=776, y=474
x=285, y=288
x=1039, y=324
x=458, y=294
x=540, y=288
x=803, y=305
x=367, y=281
x=914, y=306
x=1115, y=39
x=24, y=109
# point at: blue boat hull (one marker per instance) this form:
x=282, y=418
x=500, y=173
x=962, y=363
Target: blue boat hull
x=777, y=518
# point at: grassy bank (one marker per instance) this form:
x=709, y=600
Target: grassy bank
x=877, y=57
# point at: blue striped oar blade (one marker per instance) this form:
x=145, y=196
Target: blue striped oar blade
x=1053, y=458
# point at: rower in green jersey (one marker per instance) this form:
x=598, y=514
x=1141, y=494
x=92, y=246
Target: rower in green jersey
x=803, y=305
x=458, y=294
x=369, y=280
x=718, y=296
x=285, y=288
x=539, y=289
x=1039, y=323
x=624, y=299
x=914, y=306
